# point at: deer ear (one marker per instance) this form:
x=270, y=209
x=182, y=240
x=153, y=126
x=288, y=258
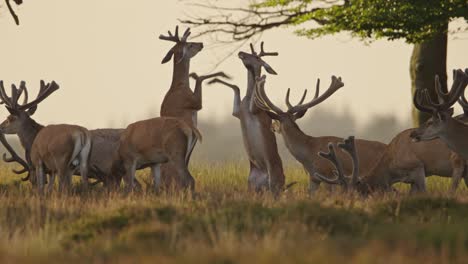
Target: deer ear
x=168, y=56
x=269, y=69
x=32, y=110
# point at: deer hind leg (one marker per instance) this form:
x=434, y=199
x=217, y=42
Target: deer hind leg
x=50, y=185
x=258, y=179
x=458, y=170
x=418, y=179
x=40, y=177
x=65, y=178
x=84, y=158
x=156, y=172
x=129, y=177
x=276, y=177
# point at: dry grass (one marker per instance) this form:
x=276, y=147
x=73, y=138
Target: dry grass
x=225, y=223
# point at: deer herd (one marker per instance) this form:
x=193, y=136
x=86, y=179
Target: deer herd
x=164, y=144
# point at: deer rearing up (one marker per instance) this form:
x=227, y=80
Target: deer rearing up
x=304, y=147
x=442, y=125
x=266, y=169
x=55, y=148
x=180, y=101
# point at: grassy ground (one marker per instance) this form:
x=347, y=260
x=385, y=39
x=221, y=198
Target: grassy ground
x=227, y=224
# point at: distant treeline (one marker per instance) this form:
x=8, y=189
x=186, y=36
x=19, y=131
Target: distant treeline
x=223, y=140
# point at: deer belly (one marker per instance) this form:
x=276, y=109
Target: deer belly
x=254, y=142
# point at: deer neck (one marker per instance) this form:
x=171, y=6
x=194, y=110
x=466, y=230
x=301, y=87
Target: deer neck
x=455, y=137
x=252, y=74
x=180, y=77
x=295, y=140
x=28, y=132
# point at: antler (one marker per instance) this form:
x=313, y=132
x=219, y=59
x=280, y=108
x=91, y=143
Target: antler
x=349, y=147
x=446, y=100
x=175, y=38
x=262, y=100
x=334, y=86
x=14, y=157
x=262, y=51
x=463, y=101
x=338, y=173
x=45, y=91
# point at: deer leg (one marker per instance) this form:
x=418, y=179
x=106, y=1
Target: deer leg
x=51, y=183
x=465, y=174
x=84, y=155
x=276, y=177
x=129, y=177
x=156, y=172
x=458, y=170
x=40, y=177
x=418, y=178
x=258, y=179
x=314, y=184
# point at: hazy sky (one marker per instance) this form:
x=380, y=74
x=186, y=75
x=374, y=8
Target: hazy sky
x=106, y=56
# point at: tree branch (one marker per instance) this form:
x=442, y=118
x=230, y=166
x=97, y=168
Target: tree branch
x=12, y=12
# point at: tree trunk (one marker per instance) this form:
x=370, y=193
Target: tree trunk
x=428, y=59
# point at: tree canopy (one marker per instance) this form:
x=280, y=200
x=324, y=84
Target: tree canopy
x=412, y=20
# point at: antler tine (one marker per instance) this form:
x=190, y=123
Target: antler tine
x=417, y=101
x=252, y=49
x=463, y=102
x=288, y=103
x=334, y=86
x=349, y=147
x=261, y=95
x=24, y=89
x=45, y=91
x=263, y=53
x=460, y=81
x=331, y=156
x=14, y=157
x=173, y=38
x=187, y=34
x=3, y=96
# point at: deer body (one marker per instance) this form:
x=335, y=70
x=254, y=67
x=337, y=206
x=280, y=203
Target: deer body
x=59, y=149
x=152, y=142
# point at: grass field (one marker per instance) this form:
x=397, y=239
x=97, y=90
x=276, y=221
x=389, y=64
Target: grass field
x=227, y=224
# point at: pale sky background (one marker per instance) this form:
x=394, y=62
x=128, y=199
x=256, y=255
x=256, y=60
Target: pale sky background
x=106, y=56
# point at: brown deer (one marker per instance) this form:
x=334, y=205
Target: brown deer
x=266, y=169
x=55, y=148
x=152, y=142
x=442, y=125
x=180, y=101
x=304, y=147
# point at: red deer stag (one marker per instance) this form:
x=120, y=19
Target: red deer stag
x=442, y=125
x=180, y=101
x=266, y=168
x=55, y=148
x=304, y=147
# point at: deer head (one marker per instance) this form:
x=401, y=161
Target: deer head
x=442, y=111
x=254, y=60
x=182, y=50
x=21, y=113
x=285, y=120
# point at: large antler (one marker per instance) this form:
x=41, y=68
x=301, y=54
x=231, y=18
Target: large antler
x=334, y=86
x=175, y=38
x=14, y=157
x=12, y=102
x=463, y=101
x=349, y=147
x=424, y=102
